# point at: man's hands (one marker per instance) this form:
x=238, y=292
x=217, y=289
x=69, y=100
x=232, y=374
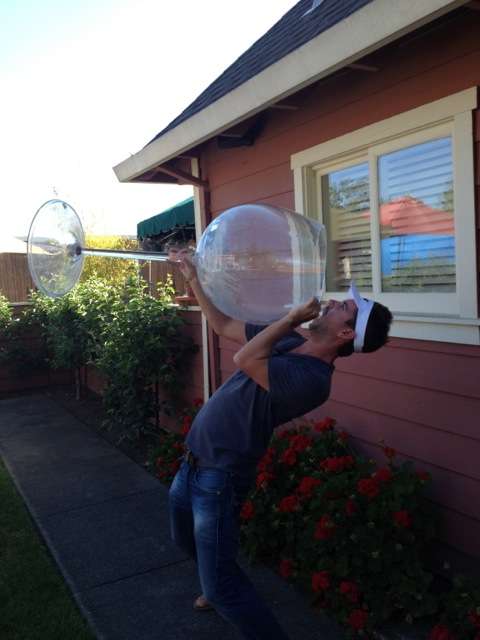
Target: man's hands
x=188, y=269
x=304, y=312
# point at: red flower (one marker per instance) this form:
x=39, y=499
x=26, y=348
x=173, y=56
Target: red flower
x=424, y=476
x=159, y=462
x=389, y=452
x=267, y=459
x=325, y=528
x=383, y=475
x=289, y=457
x=343, y=436
x=368, y=487
x=287, y=434
x=248, y=510
x=350, y=507
x=263, y=479
x=286, y=568
x=198, y=402
x=288, y=504
x=358, y=619
x=440, y=632
x=320, y=581
x=326, y=424
x=300, y=442
x=349, y=590
x=334, y=465
x=186, y=424
x=474, y=618
x=307, y=485
x=402, y=518
x=174, y=466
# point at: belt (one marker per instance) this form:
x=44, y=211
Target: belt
x=192, y=460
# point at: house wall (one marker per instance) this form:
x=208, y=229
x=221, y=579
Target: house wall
x=422, y=398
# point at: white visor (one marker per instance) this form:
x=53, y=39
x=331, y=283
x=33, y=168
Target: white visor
x=364, y=307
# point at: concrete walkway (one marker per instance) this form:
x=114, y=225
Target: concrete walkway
x=105, y=521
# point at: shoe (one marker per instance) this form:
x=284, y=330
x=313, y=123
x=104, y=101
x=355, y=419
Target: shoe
x=202, y=604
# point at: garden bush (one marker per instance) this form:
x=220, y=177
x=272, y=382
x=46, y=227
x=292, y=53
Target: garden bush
x=350, y=533
x=460, y=613
x=107, y=269
x=5, y=313
x=142, y=344
x=18, y=350
x=166, y=456
x=134, y=339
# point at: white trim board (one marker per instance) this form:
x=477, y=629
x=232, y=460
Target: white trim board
x=371, y=27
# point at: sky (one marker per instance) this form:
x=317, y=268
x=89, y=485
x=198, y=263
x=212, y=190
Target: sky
x=86, y=83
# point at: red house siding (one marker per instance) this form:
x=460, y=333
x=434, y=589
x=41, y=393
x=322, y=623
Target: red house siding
x=422, y=398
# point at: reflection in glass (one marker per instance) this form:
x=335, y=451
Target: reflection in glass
x=346, y=215
x=54, y=241
x=417, y=218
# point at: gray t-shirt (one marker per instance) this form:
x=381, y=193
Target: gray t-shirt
x=233, y=429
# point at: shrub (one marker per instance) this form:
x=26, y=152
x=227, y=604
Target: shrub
x=142, y=344
x=18, y=350
x=350, y=533
x=110, y=270
x=63, y=330
x=166, y=456
x=5, y=313
x=460, y=617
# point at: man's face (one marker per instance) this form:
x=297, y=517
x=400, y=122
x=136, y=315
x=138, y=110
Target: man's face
x=335, y=316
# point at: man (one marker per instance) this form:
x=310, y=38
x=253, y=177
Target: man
x=280, y=376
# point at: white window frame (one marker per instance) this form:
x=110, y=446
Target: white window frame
x=449, y=317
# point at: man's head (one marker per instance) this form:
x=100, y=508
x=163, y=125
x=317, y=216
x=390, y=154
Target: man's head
x=355, y=324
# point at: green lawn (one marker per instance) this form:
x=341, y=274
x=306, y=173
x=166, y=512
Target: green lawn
x=35, y=603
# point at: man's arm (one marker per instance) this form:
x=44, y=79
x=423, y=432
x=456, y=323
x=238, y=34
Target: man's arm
x=252, y=358
x=221, y=324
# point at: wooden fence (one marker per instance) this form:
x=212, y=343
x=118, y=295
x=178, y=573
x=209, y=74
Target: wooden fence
x=154, y=272
x=15, y=280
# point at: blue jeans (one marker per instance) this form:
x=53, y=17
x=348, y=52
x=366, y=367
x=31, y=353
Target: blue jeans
x=204, y=506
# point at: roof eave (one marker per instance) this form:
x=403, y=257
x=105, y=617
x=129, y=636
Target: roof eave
x=370, y=28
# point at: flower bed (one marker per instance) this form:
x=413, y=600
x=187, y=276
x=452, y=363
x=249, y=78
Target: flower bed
x=349, y=532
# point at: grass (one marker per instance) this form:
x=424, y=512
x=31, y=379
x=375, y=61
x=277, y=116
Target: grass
x=35, y=603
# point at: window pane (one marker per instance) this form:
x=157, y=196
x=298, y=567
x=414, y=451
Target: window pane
x=416, y=215
x=346, y=215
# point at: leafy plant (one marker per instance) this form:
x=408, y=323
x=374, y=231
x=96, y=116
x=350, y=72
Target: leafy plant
x=166, y=456
x=64, y=331
x=460, y=617
x=350, y=533
x=142, y=344
x=23, y=352
x=109, y=270
x=5, y=313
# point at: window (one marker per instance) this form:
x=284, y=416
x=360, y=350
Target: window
x=397, y=202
